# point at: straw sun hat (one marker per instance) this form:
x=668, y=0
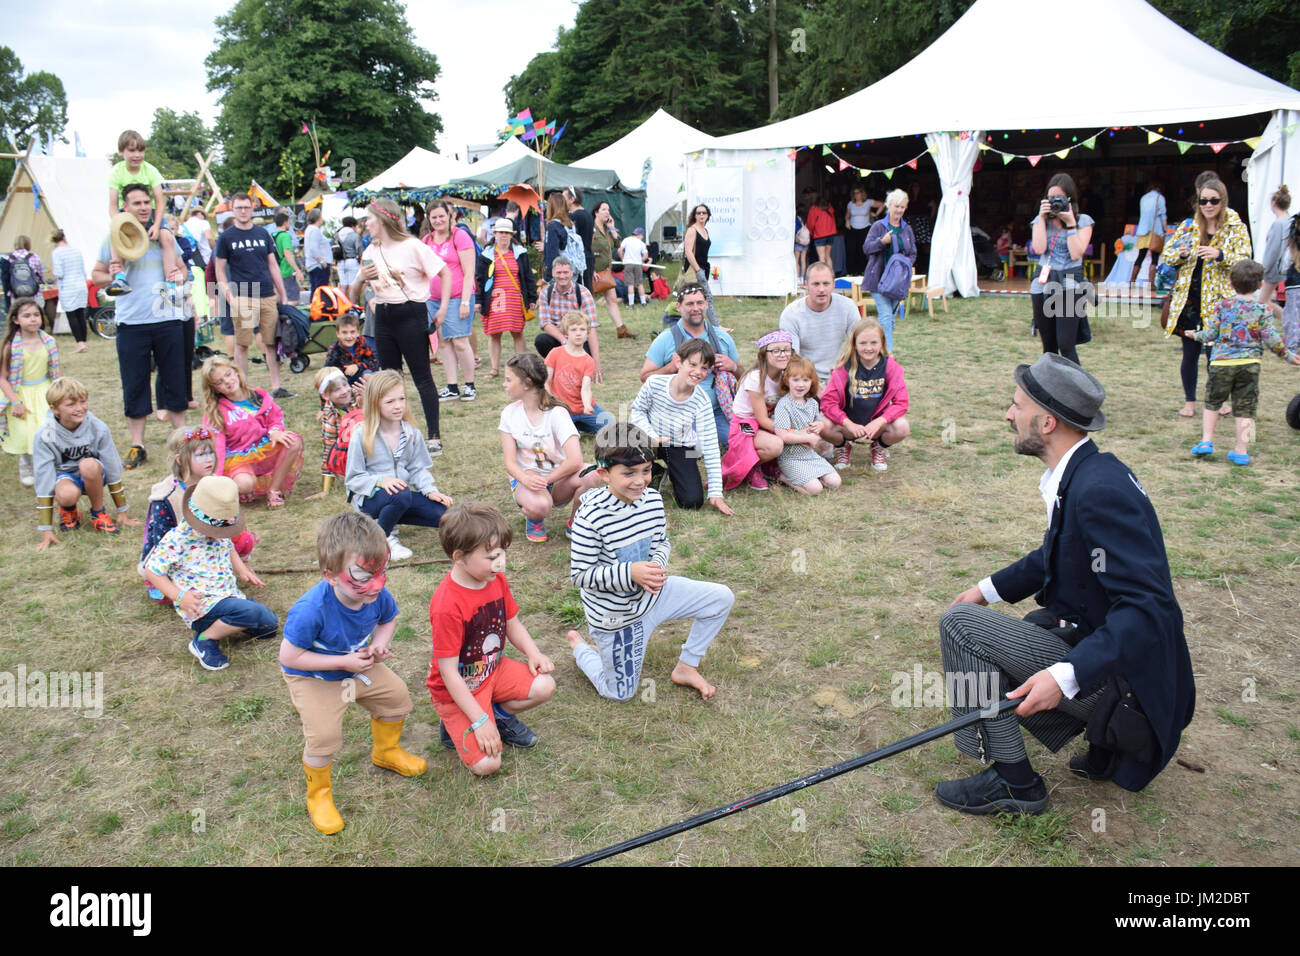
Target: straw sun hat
x=128, y=236
x=212, y=507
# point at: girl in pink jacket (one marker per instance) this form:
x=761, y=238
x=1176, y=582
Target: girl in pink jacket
x=253, y=446
x=866, y=399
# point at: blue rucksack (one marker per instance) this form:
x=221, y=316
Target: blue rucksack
x=896, y=279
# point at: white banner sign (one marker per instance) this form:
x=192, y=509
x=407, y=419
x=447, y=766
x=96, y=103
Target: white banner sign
x=722, y=189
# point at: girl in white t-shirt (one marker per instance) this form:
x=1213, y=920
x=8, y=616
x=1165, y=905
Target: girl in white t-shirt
x=540, y=445
x=752, y=441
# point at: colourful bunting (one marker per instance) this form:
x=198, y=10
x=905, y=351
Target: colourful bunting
x=843, y=165
x=1007, y=158
x=1153, y=137
x=1090, y=142
x=1062, y=153
x=1217, y=146
x=864, y=173
x=889, y=174
x=749, y=166
x=1033, y=160
x=1183, y=147
x=771, y=164
x=826, y=150
x=1253, y=142
x=911, y=164
x=792, y=154
x=1290, y=130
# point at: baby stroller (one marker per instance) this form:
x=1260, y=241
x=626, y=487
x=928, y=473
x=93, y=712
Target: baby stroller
x=988, y=264
x=291, y=337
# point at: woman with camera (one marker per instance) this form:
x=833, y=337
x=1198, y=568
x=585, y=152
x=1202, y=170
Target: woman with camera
x=1203, y=249
x=1058, y=292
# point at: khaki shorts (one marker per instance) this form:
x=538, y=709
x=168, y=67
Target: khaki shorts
x=321, y=703
x=250, y=315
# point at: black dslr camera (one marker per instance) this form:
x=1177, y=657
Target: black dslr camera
x=1058, y=203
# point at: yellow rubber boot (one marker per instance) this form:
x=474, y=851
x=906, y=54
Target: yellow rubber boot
x=320, y=799
x=388, y=753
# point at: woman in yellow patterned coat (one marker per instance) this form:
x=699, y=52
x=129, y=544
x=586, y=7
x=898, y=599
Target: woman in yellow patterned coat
x=1204, y=249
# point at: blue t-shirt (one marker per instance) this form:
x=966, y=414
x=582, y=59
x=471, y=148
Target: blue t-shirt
x=663, y=346
x=319, y=622
x=145, y=303
x=1057, y=254
x=245, y=252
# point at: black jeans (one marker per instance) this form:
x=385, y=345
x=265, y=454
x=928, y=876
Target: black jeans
x=1056, y=316
x=77, y=323
x=683, y=471
x=1192, y=350
x=403, y=333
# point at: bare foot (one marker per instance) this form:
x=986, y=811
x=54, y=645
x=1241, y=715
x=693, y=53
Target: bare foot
x=161, y=415
x=1189, y=410
x=83, y=347
x=317, y=496
x=687, y=676
x=575, y=640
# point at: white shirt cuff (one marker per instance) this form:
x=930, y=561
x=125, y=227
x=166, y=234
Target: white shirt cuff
x=989, y=591
x=1063, y=673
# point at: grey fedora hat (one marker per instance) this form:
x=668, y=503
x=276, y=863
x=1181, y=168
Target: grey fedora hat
x=1065, y=389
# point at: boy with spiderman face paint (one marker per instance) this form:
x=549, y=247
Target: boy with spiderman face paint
x=335, y=640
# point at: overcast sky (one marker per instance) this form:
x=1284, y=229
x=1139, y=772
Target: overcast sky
x=95, y=47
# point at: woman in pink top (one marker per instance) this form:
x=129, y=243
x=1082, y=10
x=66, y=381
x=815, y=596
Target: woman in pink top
x=454, y=247
x=399, y=268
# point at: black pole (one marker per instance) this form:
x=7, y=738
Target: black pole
x=924, y=737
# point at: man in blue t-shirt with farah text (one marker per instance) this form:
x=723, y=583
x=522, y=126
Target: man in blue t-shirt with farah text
x=661, y=358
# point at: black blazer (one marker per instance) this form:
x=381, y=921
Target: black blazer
x=1103, y=567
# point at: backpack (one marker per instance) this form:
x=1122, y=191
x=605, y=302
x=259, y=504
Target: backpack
x=22, y=280
x=575, y=251
x=328, y=303
x=336, y=459
x=291, y=331
x=896, y=279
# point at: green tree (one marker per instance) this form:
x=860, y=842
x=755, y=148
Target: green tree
x=173, y=141
x=1259, y=33
x=351, y=66
x=31, y=105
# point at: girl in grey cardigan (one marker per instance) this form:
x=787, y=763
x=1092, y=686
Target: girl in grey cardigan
x=390, y=473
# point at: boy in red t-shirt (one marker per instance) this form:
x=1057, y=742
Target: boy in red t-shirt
x=569, y=373
x=476, y=689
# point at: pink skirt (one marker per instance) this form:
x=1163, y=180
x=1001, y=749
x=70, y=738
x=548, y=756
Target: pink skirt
x=741, y=456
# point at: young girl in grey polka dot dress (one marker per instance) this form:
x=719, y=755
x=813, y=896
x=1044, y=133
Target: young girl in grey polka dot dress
x=799, y=424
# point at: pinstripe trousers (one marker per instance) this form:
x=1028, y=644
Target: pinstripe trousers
x=975, y=639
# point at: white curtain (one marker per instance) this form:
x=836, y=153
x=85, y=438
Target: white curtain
x=952, y=255
x=1276, y=161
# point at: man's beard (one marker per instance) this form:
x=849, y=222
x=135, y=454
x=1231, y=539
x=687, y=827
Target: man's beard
x=1031, y=444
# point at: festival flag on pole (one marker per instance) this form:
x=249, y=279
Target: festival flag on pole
x=560, y=132
x=1033, y=160
x=36, y=196
x=76, y=137
x=304, y=129
x=1217, y=146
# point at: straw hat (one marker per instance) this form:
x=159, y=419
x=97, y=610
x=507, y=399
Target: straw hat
x=128, y=236
x=212, y=507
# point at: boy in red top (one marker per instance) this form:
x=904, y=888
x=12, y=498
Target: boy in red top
x=476, y=689
x=569, y=373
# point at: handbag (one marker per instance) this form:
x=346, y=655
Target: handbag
x=1164, y=312
x=1156, y=244
x=602, y=281
x=529, y=312
x=685, y=277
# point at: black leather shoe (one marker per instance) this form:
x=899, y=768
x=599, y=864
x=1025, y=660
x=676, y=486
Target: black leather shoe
x=1079, y=766
x=987, y=792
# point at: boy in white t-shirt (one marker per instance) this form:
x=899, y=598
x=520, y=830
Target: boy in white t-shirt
x=635, y=256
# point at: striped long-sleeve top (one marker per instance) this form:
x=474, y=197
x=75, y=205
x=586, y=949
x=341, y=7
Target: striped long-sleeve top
x=609, y=535
x=686, y=424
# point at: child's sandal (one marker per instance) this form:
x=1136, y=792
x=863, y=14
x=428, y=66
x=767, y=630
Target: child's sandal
x=275, y=499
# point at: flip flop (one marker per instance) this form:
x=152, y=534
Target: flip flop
x=1237, y=459
x=1226, y=410
x=1184, y=413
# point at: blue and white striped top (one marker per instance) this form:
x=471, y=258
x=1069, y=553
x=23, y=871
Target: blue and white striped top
x=609, y=535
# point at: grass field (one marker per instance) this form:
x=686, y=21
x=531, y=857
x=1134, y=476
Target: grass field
x=834, y=597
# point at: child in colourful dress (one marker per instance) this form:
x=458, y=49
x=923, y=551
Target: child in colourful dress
x=338, y=404
x=29, y=362
x=195, y=567
x=193, y=456
x=477, y=690
x=540, y=445
x=867, y=398
x=1238, y=330
x=336, y=638
x=253, y=446
x=752, y=442
x=798, y=423
x=389, y=470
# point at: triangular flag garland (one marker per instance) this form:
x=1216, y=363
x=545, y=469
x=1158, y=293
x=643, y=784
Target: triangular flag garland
x=1253, y=142
x=843, y=164
x=1290, y=130
x=1217, y=146
x=911, y=164
x=1062, y=153
x=1155, y=135
x=1033, y=160
x=1183, y=147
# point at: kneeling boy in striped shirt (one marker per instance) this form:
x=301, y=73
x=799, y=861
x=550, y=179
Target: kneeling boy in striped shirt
x=619, y=559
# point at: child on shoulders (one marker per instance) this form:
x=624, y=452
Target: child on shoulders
x=253, y=446
x=390, y=472
x=195, y=567
x=193, y=456
x=798, y=423
x=570, y=372
x=678, y=417
x=134, y=169
x=339, y=415
x=867, y=398
x=619, y=560
x=477, y=690
x=73, y=454
x=540, y=445
x=1237, y=332
x=336, y=638
x=29, y=362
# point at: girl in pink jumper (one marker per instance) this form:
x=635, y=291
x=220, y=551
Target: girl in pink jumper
x=866, y=399
x=253, y=446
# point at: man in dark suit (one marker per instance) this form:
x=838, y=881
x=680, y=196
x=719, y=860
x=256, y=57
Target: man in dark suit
x=1109, y=627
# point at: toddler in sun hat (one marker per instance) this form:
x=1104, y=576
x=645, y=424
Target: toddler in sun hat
x=196, y=567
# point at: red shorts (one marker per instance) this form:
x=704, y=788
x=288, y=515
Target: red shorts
x=510, y=681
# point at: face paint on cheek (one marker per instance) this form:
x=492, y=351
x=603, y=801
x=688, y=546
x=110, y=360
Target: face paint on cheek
x=374, y=584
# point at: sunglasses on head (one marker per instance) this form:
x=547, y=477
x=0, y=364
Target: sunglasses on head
x=1211, y=201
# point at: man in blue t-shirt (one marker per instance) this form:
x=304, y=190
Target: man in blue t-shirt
x=248, y=277
x=150, y=326
x=661, y=357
